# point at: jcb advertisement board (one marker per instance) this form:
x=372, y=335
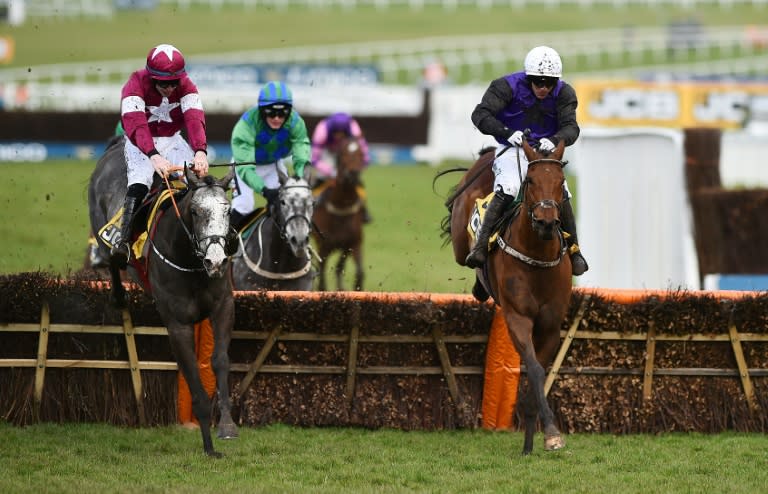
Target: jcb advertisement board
x=679, y=105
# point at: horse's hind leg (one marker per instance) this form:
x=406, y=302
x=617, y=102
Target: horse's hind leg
x=183, y=346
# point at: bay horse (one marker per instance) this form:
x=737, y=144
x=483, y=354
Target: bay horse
x=275, y=251
x=528, y=273
x=338, y=215
x=185, y=270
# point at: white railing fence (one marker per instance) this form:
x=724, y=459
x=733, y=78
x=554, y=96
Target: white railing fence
x=454, y=4
x=616, y=52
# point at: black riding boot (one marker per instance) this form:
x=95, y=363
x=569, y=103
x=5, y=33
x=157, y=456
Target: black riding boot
x=120, y=251
x=236, y=219
x=578, y=263
x=366, y=215
x=476, y=257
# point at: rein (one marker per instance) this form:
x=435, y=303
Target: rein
x=254, y=266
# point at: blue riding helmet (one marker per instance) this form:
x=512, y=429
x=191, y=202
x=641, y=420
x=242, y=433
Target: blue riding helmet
x=275, y=93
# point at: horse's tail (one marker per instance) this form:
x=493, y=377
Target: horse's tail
x=452, y=196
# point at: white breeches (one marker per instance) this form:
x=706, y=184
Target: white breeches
x=244, y=202
x=175, y=149
x=509, y=176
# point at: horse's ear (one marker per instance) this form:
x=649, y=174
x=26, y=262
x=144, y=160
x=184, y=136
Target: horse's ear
x=283, y=177
x=225, y=181
x=559, y=150
x=530, y=153
x=191, y=177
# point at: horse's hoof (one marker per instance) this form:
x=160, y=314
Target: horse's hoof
x=214, y=454
x=553, y=443
x=228, y=431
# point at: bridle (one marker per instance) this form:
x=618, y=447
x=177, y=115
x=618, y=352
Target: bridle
x=544, y=203
x=283, y=225
x=199, y=245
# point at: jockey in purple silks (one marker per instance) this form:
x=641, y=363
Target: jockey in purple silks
x=328, y=134
x=536, y=99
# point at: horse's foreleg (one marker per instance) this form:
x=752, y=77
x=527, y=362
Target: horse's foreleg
x=321, y=275
x=357, y=255
x=553, y=440
x=117, y=293
x=183, y=346
x=530, y=414
x=521, y=333
x=340, y=270
x=222, y=330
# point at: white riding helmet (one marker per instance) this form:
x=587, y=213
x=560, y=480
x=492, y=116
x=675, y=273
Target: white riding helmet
x=543, y=61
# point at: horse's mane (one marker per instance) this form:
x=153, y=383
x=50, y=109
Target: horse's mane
x=486, y=149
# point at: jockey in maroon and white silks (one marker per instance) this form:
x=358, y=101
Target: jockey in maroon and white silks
x=157, y=102
x=328, y=133
x=153, y=116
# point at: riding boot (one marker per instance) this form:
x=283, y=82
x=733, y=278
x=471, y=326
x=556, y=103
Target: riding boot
x=578, y=264
x=236, y=219
x=120, y=252
x=366, y=215
x=476, y=257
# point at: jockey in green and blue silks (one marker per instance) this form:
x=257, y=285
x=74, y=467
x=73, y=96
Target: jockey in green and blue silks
x=269, y=134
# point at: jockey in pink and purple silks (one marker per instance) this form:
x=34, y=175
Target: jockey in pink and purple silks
x=158, y=102
x=329, y=133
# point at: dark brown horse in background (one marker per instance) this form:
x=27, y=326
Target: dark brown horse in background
x=528, y=273
x=338, y=215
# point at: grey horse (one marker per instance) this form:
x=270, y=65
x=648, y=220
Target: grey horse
x=185, y=269
x=275, y=250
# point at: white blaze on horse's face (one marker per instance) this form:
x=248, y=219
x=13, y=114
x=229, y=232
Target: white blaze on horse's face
x=296, y=209
x=353, y=146
x=210, y=216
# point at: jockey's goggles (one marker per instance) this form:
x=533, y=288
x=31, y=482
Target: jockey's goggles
x=281, y=112
x=542, y=81
x=166, y=84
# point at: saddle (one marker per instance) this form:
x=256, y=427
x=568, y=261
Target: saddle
x=157, y=201
x=478, y=215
